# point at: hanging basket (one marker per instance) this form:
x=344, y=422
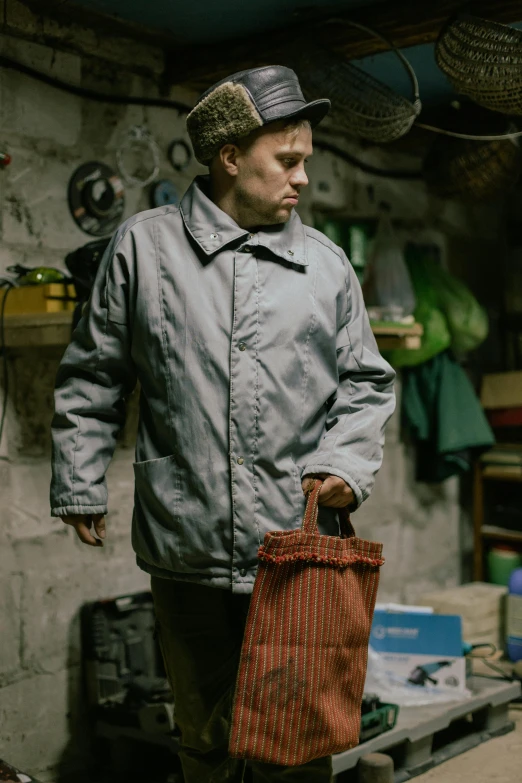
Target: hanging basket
x=361, y=105
x=483, y=60
x=473, y=170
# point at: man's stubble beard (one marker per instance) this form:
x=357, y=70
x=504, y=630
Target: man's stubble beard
x=258, y=212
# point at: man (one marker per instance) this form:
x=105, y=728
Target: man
x=258, y=368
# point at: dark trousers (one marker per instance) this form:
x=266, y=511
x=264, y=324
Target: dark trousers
x=200, y=632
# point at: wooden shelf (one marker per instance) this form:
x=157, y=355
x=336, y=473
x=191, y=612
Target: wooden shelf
x=25, y=331
x=501, y=533
x=34, y=331
x=494, y=473
x=483, y=534
x=392, y=336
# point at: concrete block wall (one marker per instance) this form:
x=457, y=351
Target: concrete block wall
x=45, y=573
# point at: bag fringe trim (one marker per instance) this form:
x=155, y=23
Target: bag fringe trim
x=338, y=562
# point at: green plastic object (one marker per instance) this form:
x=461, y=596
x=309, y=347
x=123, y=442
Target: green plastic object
x=449, y=313
x=376, y=722
x=354, y=236
x=436, y=334
x=41, y=275
x=502, y=561
x=467, y=320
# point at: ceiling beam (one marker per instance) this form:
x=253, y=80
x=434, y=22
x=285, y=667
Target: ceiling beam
x=403, y=22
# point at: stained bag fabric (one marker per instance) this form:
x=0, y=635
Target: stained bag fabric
x=303, y=660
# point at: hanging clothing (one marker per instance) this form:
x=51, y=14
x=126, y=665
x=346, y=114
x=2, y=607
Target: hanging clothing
x=444, y=415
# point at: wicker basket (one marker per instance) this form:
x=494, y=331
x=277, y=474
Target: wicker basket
x=483, y=60
x=361, y=105
x=473, y=170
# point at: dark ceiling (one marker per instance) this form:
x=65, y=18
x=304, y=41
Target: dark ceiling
x=203, y=22
x=210, y=21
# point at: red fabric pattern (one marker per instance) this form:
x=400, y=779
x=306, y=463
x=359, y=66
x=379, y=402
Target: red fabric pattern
x=303, y=661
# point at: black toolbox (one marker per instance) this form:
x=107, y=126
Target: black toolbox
x=129, y=698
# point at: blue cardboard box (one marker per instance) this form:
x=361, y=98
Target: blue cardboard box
x=421, y=650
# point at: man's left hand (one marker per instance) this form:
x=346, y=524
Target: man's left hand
x=335, y=491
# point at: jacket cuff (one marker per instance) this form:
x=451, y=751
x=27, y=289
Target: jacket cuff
x=357, y=491
x=66, y=511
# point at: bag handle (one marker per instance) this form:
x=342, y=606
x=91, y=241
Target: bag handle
x=312, y=511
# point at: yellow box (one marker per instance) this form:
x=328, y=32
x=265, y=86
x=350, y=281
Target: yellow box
x=44, y=298
x=502, y=390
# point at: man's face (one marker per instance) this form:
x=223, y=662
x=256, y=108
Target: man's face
x=271, y=173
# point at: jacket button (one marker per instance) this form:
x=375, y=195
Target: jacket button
x=290, y=252
x=240, y=460
x=242, y=346
x=246, y=249
x=243, y=572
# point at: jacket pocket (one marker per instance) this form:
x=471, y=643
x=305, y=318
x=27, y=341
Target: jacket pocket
x=176, y=525
x=158, y=488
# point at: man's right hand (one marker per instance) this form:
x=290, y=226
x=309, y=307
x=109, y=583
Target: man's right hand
x=83, y=523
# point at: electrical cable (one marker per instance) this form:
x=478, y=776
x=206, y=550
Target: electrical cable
x=469, y=136
x=183, y=108
x=496, y=669
x=84, y=92
x=488, y=663
x=366, y=167
x=3, y=352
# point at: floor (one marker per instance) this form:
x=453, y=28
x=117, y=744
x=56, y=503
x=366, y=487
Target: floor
x=497, y=761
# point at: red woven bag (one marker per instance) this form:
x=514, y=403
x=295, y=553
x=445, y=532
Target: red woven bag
x=303, y=660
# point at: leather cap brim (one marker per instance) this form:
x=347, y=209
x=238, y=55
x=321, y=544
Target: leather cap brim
x=315, y=111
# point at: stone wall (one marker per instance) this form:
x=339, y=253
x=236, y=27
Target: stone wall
x=45, y=573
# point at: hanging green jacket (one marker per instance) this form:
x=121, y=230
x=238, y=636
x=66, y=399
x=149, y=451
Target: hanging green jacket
x=445, y=418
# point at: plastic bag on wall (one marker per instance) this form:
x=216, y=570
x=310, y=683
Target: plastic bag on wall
x=467, y=320
x=446, y=308
x=389, y=286
x=436, y=334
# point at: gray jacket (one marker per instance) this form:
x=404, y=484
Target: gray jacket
x=257, y=366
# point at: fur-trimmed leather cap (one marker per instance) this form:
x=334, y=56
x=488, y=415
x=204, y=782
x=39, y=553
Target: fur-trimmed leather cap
x=244, y=101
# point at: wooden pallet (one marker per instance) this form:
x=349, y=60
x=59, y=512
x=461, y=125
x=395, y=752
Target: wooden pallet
x=423, y=737
x=427, y=736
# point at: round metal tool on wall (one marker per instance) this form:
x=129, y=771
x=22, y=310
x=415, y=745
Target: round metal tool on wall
x=179, y=154
x=138, y=157
x=163, y=192
x=96, y=198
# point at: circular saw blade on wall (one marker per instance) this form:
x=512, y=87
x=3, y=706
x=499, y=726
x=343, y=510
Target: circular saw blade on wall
x=96, y=198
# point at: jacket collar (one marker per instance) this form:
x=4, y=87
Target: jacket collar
x=213, y=229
